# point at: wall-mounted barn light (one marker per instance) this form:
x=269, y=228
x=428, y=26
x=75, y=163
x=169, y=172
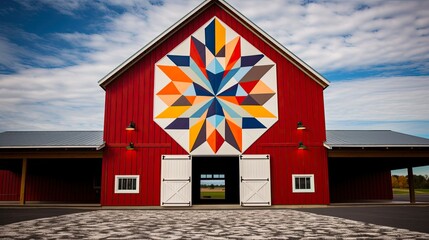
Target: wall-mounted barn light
x=130, y=146
x=301, y=146
x=131, y=126
x=300, y=126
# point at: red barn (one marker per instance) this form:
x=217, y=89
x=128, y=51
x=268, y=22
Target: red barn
x=213, y=111
x=214, y=100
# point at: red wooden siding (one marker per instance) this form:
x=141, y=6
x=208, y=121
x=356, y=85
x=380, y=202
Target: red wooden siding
x=63, y=180
x=130, y=98
x=354, y=179
x=10, y=179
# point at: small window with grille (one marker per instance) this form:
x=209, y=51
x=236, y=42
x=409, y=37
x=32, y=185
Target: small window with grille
x=303, y=183
x=127, y=183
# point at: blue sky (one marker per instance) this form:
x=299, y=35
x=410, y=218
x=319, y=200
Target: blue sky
x=375, y=53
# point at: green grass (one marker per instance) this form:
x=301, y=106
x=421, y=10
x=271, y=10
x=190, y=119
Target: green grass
x=405, y=191
x=212, y=195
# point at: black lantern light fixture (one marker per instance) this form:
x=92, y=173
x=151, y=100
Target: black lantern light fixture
x=301, y=146
x=131, y=126
x=130, y=146
x=300, y=126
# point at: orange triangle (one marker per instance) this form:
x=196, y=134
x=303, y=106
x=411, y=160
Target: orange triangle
x=211, y=140
x=230, y=99
x=169, y=99
x=175, y=73
x=232, y=52
x=199, y=99
x=215, y=141
x=191, y=99
x=170, y=89
x=182, y=86
x=237, y=132
x=261, y=88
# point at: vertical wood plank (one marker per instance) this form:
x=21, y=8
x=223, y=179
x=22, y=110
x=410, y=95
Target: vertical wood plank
x=23, y=181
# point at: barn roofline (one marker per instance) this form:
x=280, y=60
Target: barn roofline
x=313, y=74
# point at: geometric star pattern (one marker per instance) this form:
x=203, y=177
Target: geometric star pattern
x=215, y=93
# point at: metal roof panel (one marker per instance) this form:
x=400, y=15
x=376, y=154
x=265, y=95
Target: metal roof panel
x=51, y=139
x=94, y=139
x=372, y=138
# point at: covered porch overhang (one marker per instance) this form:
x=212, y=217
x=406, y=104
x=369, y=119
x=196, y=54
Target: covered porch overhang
x=380, y=159
x=15, y=162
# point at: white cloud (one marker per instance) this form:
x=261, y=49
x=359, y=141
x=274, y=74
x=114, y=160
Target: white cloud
x=8, y=53
x=55, y=99
x=332, y=35
x=396, y=103
x=64, y=7
x=69, y=98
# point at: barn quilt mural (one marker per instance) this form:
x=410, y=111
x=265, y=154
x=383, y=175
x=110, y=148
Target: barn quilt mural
x=215, y=93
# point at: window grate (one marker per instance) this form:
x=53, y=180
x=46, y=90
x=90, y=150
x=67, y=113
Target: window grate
x=127, y=184
x=303, y=183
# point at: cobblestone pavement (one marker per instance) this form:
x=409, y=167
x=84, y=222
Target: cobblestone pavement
x=200, y=224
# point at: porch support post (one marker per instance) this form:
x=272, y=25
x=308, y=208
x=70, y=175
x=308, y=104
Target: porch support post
x=411, y=185
x=23, y=177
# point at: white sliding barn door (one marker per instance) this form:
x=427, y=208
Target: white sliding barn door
x=255, y=187
x=176, y=185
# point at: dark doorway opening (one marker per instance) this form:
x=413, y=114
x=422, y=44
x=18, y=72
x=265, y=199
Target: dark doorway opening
x=63, y=181
x=215, y=180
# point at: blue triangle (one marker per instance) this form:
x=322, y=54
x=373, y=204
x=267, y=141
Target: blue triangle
x=200, y=74
x=201, y=111
x=215, y=120
x=179, y=123
x=215, y=80
x=228, y=77
x=250, y=60
x=190, y=91
x=241, y=73
x=241, y=91
x=211, y=67
x=232, y=113
x=215, y=66
x=219, y=119
x=232, y=91
x=200, y=91
x=218, y=66
x=179, y=60
x=249, y=123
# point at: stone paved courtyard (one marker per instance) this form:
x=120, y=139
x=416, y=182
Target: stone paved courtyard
x=200, y=224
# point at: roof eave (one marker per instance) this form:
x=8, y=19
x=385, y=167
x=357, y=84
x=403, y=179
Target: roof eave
x=152, y=44
x=313, y=74
x=331, y=146
x=97, y=147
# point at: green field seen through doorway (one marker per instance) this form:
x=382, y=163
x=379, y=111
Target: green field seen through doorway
x=212, y=186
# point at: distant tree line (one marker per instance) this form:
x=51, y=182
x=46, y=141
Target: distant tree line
x=420, y=181
x=212, y=185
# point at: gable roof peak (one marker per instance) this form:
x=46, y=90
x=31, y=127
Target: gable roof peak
x=313, y=74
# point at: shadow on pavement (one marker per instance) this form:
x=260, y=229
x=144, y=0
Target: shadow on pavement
x=414, y=218
x=12, y=215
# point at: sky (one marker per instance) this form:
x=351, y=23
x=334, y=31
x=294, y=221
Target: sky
x=375, y=54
